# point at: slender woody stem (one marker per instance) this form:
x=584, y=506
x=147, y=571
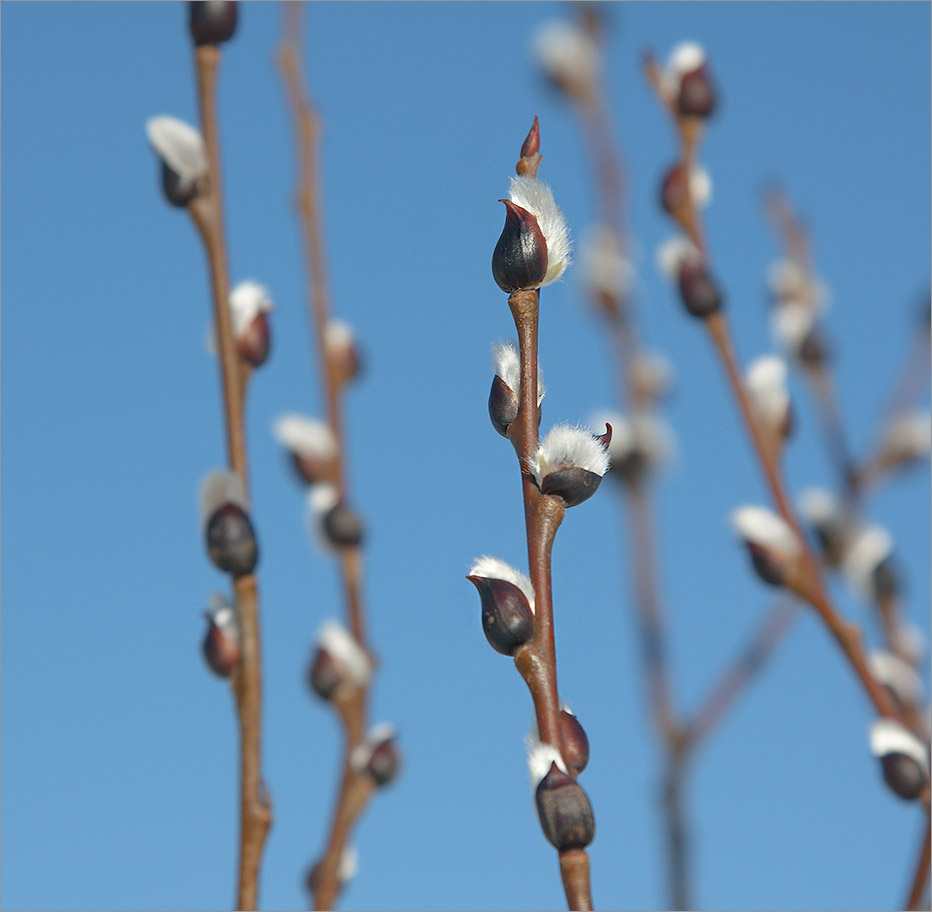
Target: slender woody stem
x=917, y=888
x=207, y=213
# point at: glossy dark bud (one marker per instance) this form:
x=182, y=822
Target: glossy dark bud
x=212, y=21
x=343, y=527
x=697, y=96
x=575, y=742
x=565, y=812
x=904, y=775
x=674, y=191
x=503, y=405
x=311, y=468
x=324, y=674
x=885, y=580
x=813, y=351
x=231, y=541
x=220, y=650
x=770, y=570
x=384, y=762
x=178, y=190
x=520, y=256
x=573, y=484
x=507, y=619
x=254, y=342
x=700, y=295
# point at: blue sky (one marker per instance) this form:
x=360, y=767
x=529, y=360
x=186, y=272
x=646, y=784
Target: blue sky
x=119, y=748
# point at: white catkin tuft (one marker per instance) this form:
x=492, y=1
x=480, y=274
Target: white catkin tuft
x=787, y=281
x=647, y=434
x=348, y=867
x=493, y=568
x=897, y=674
x=224, y=616
x=566, y=445
x=539, y=758
x=764, y=528
x=700, y=186
x=305, y=436
x=869, y=548
x=218, y=488
x=360, y=755
x=908, y=436
x=339, y=336
x=653, y=373
x=179, y=145
x=507, y=364
x=606, y=270
x=334, y=639
x=321, y=498
x=791, y=324
x=247, y=300
x=766, y=383
x=820, y=507
x=686, y=57
x=537, y=198
x=911, y=642
x=672, y=252
x=567, y=54
x=889, y=737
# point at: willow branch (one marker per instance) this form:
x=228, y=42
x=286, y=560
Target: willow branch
x=356, y=786
x=920, y=880
x=207, y=213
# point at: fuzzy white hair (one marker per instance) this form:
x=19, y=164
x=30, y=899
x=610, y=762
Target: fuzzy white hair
x=820, y=507
x=223, y=615
x=654, y=373
x=348, y=867
x=766, y=383
x=868, y=549
x=493, y=568
x=908, y=436
x=651, y=436
x=218, y=488
x=321, y=499
x=606, y=270
x=567, y=445
x=897, y=674
x=791, y=284
x=791, y=324
x=537, y=198
x=764, y=528
x=700, y=186
x=359, y=757
x=334, y=639
x=889, y=737
x=305, y=436
x=179, y=145
x=507, y=363
x=672, y=252
x=540, y=756
x=567, y=54
x=247, y=300
x=685, y=57
x=339, y=335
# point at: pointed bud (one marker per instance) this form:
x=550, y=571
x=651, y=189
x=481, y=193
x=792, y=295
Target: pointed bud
x=311, y=443
x=249, y=304
x=575, y=741
x=338, y=661
x=221, y=646
x=531, y=145
x=507, y=599
x=336, y=524
x=564, y=810
x=770, y=400
x=829, y=522
x=678, y=192
x=343, y=351
x=520, y=256
x=772, y=544
x=570, y=464
x=506, y=387
x=693, y=92
x=183, y=158
x=898, y=677
x=698, y=291
x=212, y=21
x=868, y=551
x=536, y=197
x=377, y=755
x=903, y=758
x=231, y=540
x=347, y=869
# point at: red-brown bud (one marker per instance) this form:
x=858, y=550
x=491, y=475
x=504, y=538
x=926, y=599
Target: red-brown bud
x=696, y=96
x=699, y=293
x=520, y=256
x=212, y=21
x=507, y=619
x=254, y=342
x=231, y=540
x=564, y=810
x=575, y=742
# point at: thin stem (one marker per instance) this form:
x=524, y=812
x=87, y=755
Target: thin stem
x=674, y=804
x=574, y=871
x=207, y=213
x=920, y=879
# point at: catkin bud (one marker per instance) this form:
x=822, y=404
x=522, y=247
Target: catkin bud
x=507, y=599
x=520, y=256
x=694, y=93
x=343, y=527
x=698, y=291
x=771, y=542
x=221, y=646
x=377, y=755
x=506, y=387
x=338, y=661
x=570, y=463
x=903, y=758
x=564, y=810
x=575, y=742
x=231, y=540
x=182, y=156
x=212, y=21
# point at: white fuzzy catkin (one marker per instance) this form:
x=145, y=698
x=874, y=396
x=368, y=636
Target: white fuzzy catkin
x=671, y=254
x=897, y=674
x=348, y=867
x=606, y=270
x=686, y=57
x=791, y=324
x=537, y=198
x=334, y=639
x=339, y=336
x=247, y=300
x=359, y=758
x=889, y=737
x=653, y=373
x=218, y=488
x=179, y=145
x=765, y=529
x=493, y=568
x=305, y=436
x=507, y=362
x=908, y=436
x=567, y=445
x=568, y=55
x=766, y=383
x=224, y=616
x=540, y=756
x=700, y=186
x=820, y=507
x=645, y=434
x=869, y=548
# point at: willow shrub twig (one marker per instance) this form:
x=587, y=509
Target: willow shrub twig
x=207, y=213
x=357, y=786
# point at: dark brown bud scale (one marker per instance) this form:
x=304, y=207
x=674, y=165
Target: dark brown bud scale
x=700, y=295
x=507, y=619
x=674, y=191
x=503, y=405
x=179, y=191
x=768, y=569
x=885, y=580
x=324, y=675
x=231, y=541
x=254, y=342
x=565, y=812
x=696, y=97
x=383, y=762
x=813, y=351
x=310, y=468
x=520, y=256
x=904, y=775
x=575, y=742
x=212, y=21
x=343, y=527
x=221, y=651
x=572, y=484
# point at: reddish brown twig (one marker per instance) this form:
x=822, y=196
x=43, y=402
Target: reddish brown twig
x=920, y=880
x=207, y=213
